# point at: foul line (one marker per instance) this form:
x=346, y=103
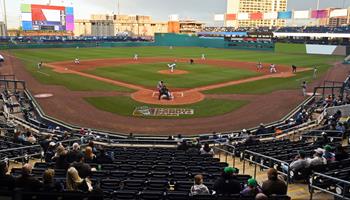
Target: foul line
x=43, y=73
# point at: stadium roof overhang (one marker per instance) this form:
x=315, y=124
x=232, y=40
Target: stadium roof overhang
x=319, y=35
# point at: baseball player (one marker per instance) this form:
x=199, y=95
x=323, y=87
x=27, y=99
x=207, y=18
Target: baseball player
x=136, y=57
x=273, y=68
x=191, y=61
x=259, y=66
x=77, y=61
x=172, y=67
x=203, y=56
x=40, y=64
x=303, y=87
x=294, y=69
x=315, y=72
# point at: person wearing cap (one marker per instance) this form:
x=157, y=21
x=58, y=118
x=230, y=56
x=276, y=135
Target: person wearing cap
x=261, y=130
x=274, y=185
x=50, y=152
x=327, y=154
x=299, y=163
x=7, y=182
x=227, y=183
x=206, y=150
x=317, y=159
x=199, y=188
x=252, y=188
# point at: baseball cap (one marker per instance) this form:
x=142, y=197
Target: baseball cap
x=252, y=182
x=230, y=170
x=327, y=147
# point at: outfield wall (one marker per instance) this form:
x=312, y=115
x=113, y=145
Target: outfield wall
x=166, y=39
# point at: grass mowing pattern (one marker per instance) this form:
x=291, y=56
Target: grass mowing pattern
x=125, y=106
x=147, y=74
x=33, y=56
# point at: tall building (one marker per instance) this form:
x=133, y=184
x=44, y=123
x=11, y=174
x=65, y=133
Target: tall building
x=335, y=21
x=2, y=29
x=254, y=6
x=111, y=25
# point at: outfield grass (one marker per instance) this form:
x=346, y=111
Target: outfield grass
x=74, y=82
x=147, y=74
x=269, y=85
x=125, y=106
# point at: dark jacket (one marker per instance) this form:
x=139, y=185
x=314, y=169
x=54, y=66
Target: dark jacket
x=61, y=162
x=74, y=156
x=227, y=185
x=7, y=182
x=28, y=183
x=52, y=187
x=277, y=187
x=84, y=169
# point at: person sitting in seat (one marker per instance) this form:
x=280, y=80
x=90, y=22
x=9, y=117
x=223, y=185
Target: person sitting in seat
x=199, y=188
x=227, y=183
x=299, y=163
x=50, y=185
x=75, y=183
x=327, y=154
x=206, y=150
x=26, y=181
x=317, y=159
x=273, y=184
x=252, y=188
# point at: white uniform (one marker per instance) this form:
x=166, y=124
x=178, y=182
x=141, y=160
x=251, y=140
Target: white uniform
x=77, y=61
x=136, y=57
x=273, y=68
x=39, y=65
x=172, y=66
x=259, y=66
x=315, y=72
x=203, y=56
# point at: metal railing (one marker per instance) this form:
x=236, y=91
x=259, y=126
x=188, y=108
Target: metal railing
x=341, y=187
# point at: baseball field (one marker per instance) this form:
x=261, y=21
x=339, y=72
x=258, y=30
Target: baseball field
x=109, y=80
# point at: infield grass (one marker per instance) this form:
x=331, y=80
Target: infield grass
x=147, y=74
x=125, y=106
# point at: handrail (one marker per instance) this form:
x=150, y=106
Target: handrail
x=346, y=186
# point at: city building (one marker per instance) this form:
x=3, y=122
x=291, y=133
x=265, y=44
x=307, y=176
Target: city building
x=111, y=25
x=190, y=26
x=335, y=21
x=246, y=7
x=2, y=29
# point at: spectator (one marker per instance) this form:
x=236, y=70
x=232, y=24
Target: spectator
x=206, y=150
x=45, y=143
x=61, y=158
x=182, y=145
x=317, y=159
x=50, y=152
x=199, y=188
x=92, y=145
x=261, y=130
x=327, y=154
x=30, y=138
x=299, y=163
x=74, y=154
x=50, y=185
x=75, y=183
x=251, y=140
x=7, y=182
x=340, y=153
x=26, y=181
x=89, y=155
x=252, y=188
x=103, y=157
x=227, y=183
x=18, y=137
x=261, y=196
x=324, y=140
x=274, y=185
x=83, y=169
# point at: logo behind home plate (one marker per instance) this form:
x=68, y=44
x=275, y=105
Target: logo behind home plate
x=146, y=111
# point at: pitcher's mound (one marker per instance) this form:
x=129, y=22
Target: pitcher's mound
x=175, y=72
x=180, y=98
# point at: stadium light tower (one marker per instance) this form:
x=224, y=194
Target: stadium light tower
x=5, y=16
x=318, y=4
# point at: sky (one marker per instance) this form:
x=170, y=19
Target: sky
x=202, y=10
